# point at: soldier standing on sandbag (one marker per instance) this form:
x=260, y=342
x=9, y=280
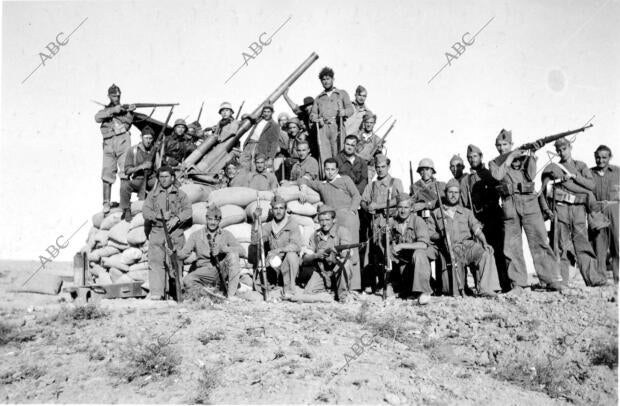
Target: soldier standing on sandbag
x=116, y=120
x=329, y=112
x=354, y=123
x=410, y=239
x=177, y=147
x=469, y=246
x=457, y=167
x=516, y=170
x=138, y=168
x=368, y=143
x=283, y=244
x=374, y=203
x=571, y=186
x=340, y=193
x=606, y=191
x=307, y=166
x=217, y=253
x=177, y=214
x=331, y=269
x=262, y=139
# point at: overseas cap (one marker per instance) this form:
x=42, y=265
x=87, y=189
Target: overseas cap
x=380, y=158
x=114, y=90
x=504, y=135
x=283, y=115
x=293, y=120
x=453, y=183
x=277, y=199
x=456, y=158
x=471, y=148
x=226, y=105
x=260, y=156
x=148, y=130
x=426, y=163
x=369, y=115
x=327, y=209
x=215, y=211
x=561, y=142
x=268, y=106
x=402, y=197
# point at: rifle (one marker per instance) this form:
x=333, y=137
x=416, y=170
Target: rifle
x=318, y=143
x=239, y=111
x=262, y=269
x=340, y=248
x=173, y=259
x=554, y=226
x=217, y=264
x=380, y=143
x=531, y=146
x=410, y=179
x=388, y=255
x=162, y=133
x=200, y=112
x=383, y=123
x=451, y=263
x=140, y=105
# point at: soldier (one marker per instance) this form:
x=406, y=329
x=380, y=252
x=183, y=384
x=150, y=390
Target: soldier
x=116, y=120
x=296, y=134
x=479, y=194
x=302, y=112
x=374, y=203
x=177, y=147
x=469, y=245
x=331, y=268
x=260, y=178
x=307, y=167
x=570, y=182
x=410, y=240
x=283, y=140
x=263, y=137
x=516, y=170
x=457, y=167
x=330, y=107
x=340, y=193
x=368, y=142
x=217, y=253
x=354, y=123
x=353, y=165
x=606, y=187
x=177, y=214
x=232, y=176
x=424, y=192
x=227, y=126
x=138, y=165
x=283, y=244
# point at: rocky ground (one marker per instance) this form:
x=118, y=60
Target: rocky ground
x=533, y=348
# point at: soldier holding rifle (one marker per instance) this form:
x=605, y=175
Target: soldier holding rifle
x=177, y=147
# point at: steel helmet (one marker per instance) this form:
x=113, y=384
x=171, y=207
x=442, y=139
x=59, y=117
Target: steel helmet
x=426, y=163
x=226, y=105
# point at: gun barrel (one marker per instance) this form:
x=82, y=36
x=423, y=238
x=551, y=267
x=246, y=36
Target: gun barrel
x=149, y=105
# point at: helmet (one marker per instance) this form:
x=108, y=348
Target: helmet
x=226, y=105
x=180, y=121
x=426, y=163
x=114, y=90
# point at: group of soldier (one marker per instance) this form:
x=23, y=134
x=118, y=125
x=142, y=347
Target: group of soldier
x=373, y=236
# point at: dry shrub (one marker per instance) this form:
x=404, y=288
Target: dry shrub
x=362, y=315
x=604, y=353
x=10, y=334
x=22, y=373
x=206, y=337
x=208, y=380
x=79, y=313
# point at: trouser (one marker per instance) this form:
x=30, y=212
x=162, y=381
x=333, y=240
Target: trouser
x=573, y=244
x=414, y=267
x=328, y=137
x=374, y=271
x=324, y=279
x=135, y=185
x=288, y=270
x=246, y=160
x=208, y=274
x=606, y=239
x=364, y=235
x=114, y=150
x=494, y=234
x=523, y=212
x=159, y=262
x=350, y=220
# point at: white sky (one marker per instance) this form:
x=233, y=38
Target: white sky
x=538, y=68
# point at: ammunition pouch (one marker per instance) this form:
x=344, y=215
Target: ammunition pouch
x=509, y=189
x=562, y=196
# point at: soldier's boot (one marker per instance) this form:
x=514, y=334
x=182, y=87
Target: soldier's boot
x=126, y=215
x=107, y=192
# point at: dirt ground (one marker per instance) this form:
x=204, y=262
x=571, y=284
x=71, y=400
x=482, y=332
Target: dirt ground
x=536, y=348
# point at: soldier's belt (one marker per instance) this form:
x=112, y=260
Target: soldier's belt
x=569, y=198
x=508, y=189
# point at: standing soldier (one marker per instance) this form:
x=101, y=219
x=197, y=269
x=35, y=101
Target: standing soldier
x=138, y=169
x=479, y=194
x=570, y=182
x=606, y=191
x=410, y=240
x=283, y=140
x=296, y=134
x=354, y=123
x=330, y=107
x=227, y=126
x=353, y=165
x=307, y=166
x=368, y=143
x=303, y=115
x=516, y=170
x=469, y=245
x=177, y=147
x=116, y=120
x=424, y=192
x=217, y=253
x=259, y=179
x=263, y=138
x=177, y=215
x=374, y=204
x=457, y=167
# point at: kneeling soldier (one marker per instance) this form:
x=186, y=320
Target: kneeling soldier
x=331, y=264
x=217, y=256
x=469, y=246
x=409, y=242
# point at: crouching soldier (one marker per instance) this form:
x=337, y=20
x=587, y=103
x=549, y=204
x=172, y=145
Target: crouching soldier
x=283, y=244
x=469, y=245
x=331, y=265
x=177, y=210
x=409, y=243
x=138, y=164
x=217, y=256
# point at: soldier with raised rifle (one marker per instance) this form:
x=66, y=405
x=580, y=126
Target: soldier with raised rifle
x=177, y=147
x=115, y=120
x=569, y=184
x=217, y=256
x=354, y=123
x=167, y=196
x=516, y=170
x=138, y=169
x=469, y=246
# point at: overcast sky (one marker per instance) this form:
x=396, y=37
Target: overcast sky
x=537, y=68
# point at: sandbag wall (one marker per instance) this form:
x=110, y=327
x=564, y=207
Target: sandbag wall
x=117, y=250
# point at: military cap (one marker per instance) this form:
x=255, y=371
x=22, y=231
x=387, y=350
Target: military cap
x=326, y=71
x=453, y=183
x=114, y=90
x=196, y=125
x=260, y=156
x=360, y=89
x=308, y=100
x=379, y=158
x=327, y=209
x=293, y=120
x=180, y=121
x=471, y=148
x=369, y=115
x=456, y=157
x=277, y=199
x=166, y=168
x=283, y=115
x=561, y=142
x=226, y=105
x=504, y=135
x=426, y=163
x=147, y=130
x=214, y=211
x=401, y=197
x=267, y=105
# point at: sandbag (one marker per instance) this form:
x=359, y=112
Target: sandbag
x=242, y=231
x=118, y=233
x=136, y=207
x=115, y=261
x=245, y=246
x=289, y=193
x=90, y=239
x=96, y=255
x=120, y=246
x=192, y=257
x=306, y=234
x=136, y=237
x=192, y=230
x=98, y=217
x=119, y=276
x=265, y=207
x=303, y=220
x=136, y=221
x=238, y=196
x=140, y=266
x=41, y=283
x=231, y=214
x=303, y=209
x=265, y=195
x=131, y=255
x=104, y=279
x=101, y=237
x=194, y=192
x=111, y=220
x=141, y=275
x=96, y=269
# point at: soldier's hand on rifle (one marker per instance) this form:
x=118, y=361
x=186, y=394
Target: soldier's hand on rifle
x=567, y=177
x=117, y=109
x=172, y=223
x=396, y=248
x=538, y=145
x=320, y=122
x=147, y=165
x=257, y=213
x=371, y=208
x=549, y=214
